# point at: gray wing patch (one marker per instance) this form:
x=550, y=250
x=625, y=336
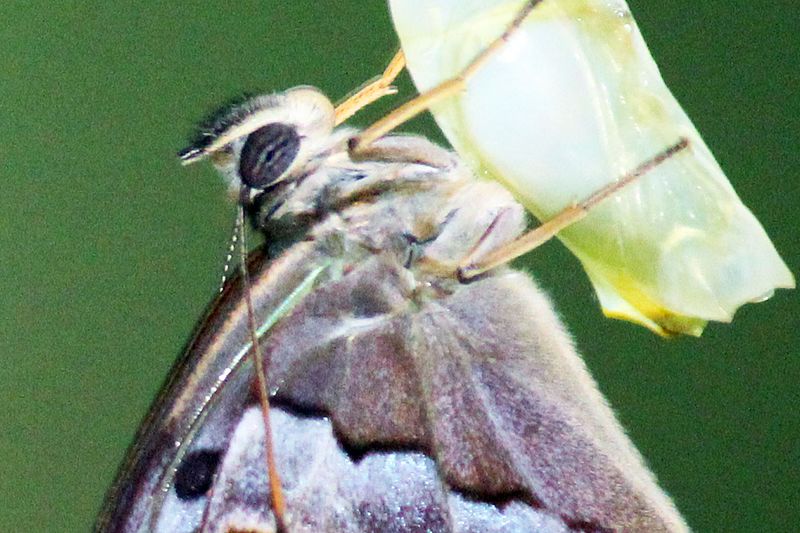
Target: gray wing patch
x=326, y=490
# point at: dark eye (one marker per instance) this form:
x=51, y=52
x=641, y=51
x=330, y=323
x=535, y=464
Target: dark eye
x=267, y=153
x=196, y=473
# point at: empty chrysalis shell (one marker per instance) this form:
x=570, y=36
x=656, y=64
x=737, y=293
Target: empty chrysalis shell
x=573, y=101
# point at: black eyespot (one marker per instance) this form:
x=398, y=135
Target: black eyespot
x=267, y=153
x=196, y=473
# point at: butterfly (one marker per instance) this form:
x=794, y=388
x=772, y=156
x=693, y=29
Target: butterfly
x=404, y=395
x=403, y=398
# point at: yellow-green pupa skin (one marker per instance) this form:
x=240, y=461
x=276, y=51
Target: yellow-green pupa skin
x=573, y=101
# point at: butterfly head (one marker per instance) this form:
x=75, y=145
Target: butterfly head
x=265, y=140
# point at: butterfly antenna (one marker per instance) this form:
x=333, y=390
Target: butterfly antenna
x=278, y=503
x=232, y=242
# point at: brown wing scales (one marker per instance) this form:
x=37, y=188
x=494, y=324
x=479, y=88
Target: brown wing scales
x=476, y=380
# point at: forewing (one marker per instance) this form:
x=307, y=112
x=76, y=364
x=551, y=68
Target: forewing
x=482, y=378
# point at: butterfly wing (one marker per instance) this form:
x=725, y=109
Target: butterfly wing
x=470, y=411
x=484, y=381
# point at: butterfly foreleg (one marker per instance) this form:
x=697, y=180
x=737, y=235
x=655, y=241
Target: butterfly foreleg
x=372, y=90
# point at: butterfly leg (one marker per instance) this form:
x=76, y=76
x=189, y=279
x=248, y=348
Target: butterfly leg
x=372, y=90
x=470, y=228
x=442, y=91
x=482, y=259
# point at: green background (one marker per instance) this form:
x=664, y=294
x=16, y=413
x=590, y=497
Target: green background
x=109, y=250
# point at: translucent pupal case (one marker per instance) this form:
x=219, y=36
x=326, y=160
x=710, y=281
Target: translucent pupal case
x=572, y=102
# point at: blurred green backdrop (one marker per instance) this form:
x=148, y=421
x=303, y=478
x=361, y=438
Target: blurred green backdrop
x=110, y=250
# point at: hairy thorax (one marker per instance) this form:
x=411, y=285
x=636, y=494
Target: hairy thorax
x=412, y=203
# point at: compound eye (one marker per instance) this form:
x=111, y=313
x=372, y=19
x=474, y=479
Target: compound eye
x=267, y=154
